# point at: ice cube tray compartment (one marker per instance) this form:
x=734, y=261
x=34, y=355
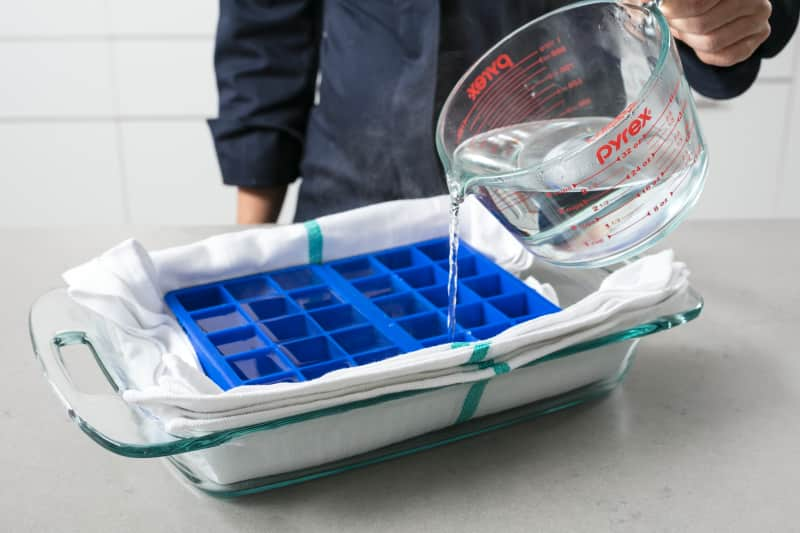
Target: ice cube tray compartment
x=301, y=323
x=256, y=364
x=249, y=288
x=219, y=318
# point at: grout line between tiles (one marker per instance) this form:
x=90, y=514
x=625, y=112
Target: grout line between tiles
x=118, y=135
x=113, y=118
x=108, y=37
x=786, y=136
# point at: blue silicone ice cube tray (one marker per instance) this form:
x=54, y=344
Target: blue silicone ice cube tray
x=300, y=323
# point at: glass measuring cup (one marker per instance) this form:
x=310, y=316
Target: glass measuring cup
x=579, y=133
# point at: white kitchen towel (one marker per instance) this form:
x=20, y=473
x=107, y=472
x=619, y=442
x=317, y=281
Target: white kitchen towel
x=127, y=284
x=612, y=308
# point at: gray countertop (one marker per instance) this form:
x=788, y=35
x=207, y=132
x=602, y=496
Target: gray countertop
x=702, y=436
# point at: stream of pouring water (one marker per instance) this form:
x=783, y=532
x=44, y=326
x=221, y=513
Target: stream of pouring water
x=456, y=198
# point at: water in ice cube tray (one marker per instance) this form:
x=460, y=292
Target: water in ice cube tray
x=550, y=215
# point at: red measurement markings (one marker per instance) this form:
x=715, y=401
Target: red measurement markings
x=630, y=225
x=544, y=113
x=590, y=199
x=559, y=89
x=511, y=85
x=541, y=113
x=603, y=169
x=670, y=149
x=678, y=119
x=522, y=92
x=639, y=194
x=585, y=202
x=651, y=186
x=684, y=141
x=610, y=188
x=666, y=107
x=506, y=200
x=502, y=89
x=671, y=163
x=673, y=139
x=569, y=189
x=659, y=134
x=514, y=105
x=547, y=77
x=627, y=152
x=632, y=174
x=516, y=115
x=611, y=222
x=585, y=225
x=605, y=180
x=600, y=205
x=622, y=156
x=616, y=121
x=634, y=171
x=663, y=132
x=589, y=244
x=533, y=109
x=695, y=155
x=660, y=205
x=586, y=102
x=509, y=106
x=666, y=152
x=619, y=119
x=548, y=45
x=481, y=97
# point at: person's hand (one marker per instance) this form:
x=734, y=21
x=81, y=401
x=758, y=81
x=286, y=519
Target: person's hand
x=721, y=32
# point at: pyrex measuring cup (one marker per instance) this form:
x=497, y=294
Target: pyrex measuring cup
x=579, y=133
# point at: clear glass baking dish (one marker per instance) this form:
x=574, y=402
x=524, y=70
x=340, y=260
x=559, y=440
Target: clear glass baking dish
x=73, y=344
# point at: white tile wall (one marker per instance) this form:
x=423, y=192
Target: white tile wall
x=111, y=96
x=55, y=79
x=52, y=18
x=788, y=201
x=745, y=145
x=172, y=174
x=164, y=77
x=59, y=173
x=163, y=17
x=781, y=66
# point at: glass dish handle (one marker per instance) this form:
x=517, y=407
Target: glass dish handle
x=77, y=356
x=78, y=338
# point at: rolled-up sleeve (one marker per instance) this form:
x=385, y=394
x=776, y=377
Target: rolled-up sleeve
x=266, y=60
x=728, y=82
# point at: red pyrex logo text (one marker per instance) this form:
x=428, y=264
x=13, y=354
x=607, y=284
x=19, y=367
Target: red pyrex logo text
x=634, y=127
x=501, y=62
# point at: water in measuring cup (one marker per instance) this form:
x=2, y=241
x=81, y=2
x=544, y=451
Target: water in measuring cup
x=575, y=211
x=568, y=212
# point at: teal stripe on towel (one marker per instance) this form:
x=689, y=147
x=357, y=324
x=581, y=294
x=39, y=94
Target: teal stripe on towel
x=471, y=401
x=479, y=352
x=314, y=241
x=475, y=392
x=501, y=368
